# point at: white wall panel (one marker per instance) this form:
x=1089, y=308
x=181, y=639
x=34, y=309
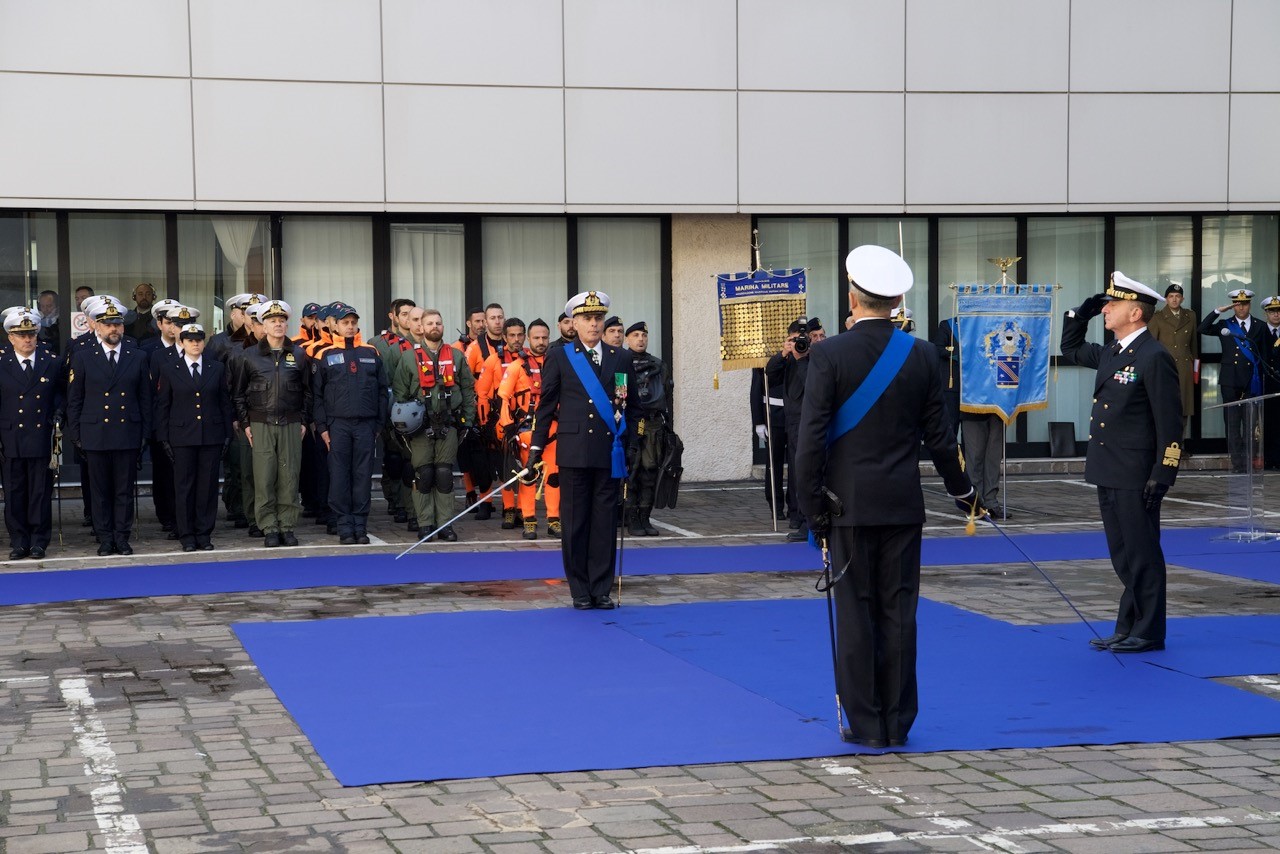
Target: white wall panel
x=673, y=44
x=92, y=37
x=987, y=45
x=1255, y=127
x=986, y=149
x=1255, y=57
x=479, y=42
x=801, y=148
x=1150, y=45
x=108, y=137
x=1149, y=149
x=293, y=142
x=286, y=39
x=474, y=145
x=673, y=148
x=821, y=45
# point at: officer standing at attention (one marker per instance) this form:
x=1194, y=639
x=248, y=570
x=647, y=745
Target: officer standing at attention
x=870, y=464
x=350, y=407
x=1175, y=328
x=31, y=405
x=1271, y=358
x=591, y=409
x=163, y=349
x=1240, y=376
x=272, y=398
x=1135, y=435
x=655, y=396
x=193, y=424
x=109, y=395
x=564, y=325
x=612, y=333
x=436, y=376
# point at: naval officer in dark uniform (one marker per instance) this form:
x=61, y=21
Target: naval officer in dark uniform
x=871, y=466
x=109, y=396
x=31, y=403
x=1243, y=338
x=590, y=436
x=1134, y=449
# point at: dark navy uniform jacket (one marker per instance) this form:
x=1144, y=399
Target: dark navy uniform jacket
x=1237, y=371
x=349, y=382
x=585, y=440
x=29, y=402
x=1136, y=425
x=109, y=411
x=190, y=414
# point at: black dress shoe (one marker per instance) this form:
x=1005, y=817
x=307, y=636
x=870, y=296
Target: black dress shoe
x=1136, y=644
x=401, y=517
x=106, y=549
x=240, y=522
x=485, y=511
x=255, y=531
x=362, y=538
x=271, y=541
x=898, y=742
x=124, y=549
x=288, y=539
x=206, y=547
x=793, y=524
x=847, y=736
x=173, y=535
x=582, y=603
x=799, y=535
x=448, y=534
x=189, y=547
x=37, y=552
x=347, y=540
x=1103, y=643
x=18, y=554
x=413, y=527
x=604, y=603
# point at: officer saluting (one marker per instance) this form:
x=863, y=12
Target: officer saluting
x=1134, y=449
x=585, y=392
x=31, y=402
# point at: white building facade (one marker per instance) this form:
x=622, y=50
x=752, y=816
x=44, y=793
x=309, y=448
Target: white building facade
x=516, y=151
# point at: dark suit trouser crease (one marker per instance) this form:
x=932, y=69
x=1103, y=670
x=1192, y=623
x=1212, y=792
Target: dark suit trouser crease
x=28, y=501
x=162, y=491
x=876, y=627
x=1133, y=538
x=775, y=460
x=351, y=444
x=112, y=477
x=793, y=440
x=195, y=480
x=589, y=514
x=1234, y=416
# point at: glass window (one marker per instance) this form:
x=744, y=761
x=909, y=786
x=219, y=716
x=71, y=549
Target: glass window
x=1237, y=252
x=328, y=258
x=220, y=256
x=910, y=239
x=811, y=243
x=119, y=254
x=29, y=270
x=623, y=257
x=526, y=266
x=1156, y=250
x=428, y=266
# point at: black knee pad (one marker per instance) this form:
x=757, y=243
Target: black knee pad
x=553, y=480
x=444, y=478
x=426, y=478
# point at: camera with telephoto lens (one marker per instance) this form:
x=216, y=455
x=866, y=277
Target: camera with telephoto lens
x=802, y=341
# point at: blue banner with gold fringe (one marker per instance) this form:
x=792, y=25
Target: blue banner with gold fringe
x=1004, y=332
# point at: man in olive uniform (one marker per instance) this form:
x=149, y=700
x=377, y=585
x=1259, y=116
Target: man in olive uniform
x=1175, y=328
x=1243, y=339
x=237, y=472
x=272, y=398
x=436, y=374
x=390, y=344
x=654, y=395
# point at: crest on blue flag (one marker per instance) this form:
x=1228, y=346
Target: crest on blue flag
x=1004, y=335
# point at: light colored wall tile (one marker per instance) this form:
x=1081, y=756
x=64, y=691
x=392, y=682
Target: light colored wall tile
x=326, y=147
x=1150, y=45
x=815, y=148
x=1255, y=54
x=475, y=145
x=109, y=138
x=1149, y=149
x=820, y=45
x=1255, y=127
x=479, y=42
x=987, y=45
x=629, y=147
x=91, y=37
x=286, y=39
x=673, y=44
x=986, y=149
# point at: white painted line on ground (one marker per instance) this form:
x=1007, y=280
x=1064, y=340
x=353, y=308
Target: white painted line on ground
x=889, y=793
x=121, y=829
x=201, y=671
x=377, y=541
x=1266, y=683
x=666, y=526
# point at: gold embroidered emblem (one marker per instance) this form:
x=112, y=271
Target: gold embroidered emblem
x=1172, y=455
x=71, y=377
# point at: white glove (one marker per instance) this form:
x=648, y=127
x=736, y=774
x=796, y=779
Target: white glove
x=760, y=432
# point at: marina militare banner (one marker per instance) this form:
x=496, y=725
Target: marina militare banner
x=1004, y=333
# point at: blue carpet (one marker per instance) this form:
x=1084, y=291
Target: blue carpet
x=389, y=699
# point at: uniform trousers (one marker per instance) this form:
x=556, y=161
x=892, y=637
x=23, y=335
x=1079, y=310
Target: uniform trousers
x=28, y=501
x=195, y=487
x=647, y=465
x=307, y=487
x=1133, y=538
x=393, y=463
x=248, y=493
x=983, y=450
x=1271, y=432
x=774, y=465
x=162, y=492
x=589, y=515
x=232, y=496
x=86, y=488
x=1236, y=420
x=433, y=490
x=793, y=505
x=876, y=627
x=277, y=461
x=113, y=477
x=351, y=443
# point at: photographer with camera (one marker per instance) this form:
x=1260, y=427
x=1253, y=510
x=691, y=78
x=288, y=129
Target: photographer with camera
x=786, y=372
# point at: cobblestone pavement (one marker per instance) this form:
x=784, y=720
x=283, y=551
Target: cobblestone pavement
x=142, y=725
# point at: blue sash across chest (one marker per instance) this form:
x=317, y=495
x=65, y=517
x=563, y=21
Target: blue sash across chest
x=595, y=391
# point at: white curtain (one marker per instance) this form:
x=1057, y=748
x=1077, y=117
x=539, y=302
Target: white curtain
x=525, y=262
x=326, y=259
x=809, y=243
x=427, y=266
x=114, y=253
x=236, y=237
x=622, y=257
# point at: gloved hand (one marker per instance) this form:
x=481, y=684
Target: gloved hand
x=971, y=504
x=168, y=450
x=760, y=432
x=535, y=460
x=1091, y=307
x=1153, y=494
x=820, y=525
